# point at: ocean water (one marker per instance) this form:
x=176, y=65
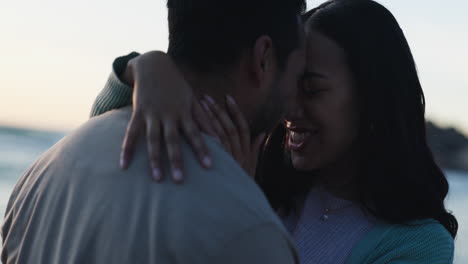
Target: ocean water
x=19, y=148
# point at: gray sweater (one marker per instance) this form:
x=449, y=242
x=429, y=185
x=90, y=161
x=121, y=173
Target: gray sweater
x=75, y=205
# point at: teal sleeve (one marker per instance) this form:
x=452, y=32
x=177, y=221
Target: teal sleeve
x=432, y=244
x=115, y=94
x=417, y=242
x=427, y=244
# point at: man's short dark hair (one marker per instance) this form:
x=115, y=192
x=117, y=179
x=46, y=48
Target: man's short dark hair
x=207, y=35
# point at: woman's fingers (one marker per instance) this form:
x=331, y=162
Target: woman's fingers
x=195, y=139
x=240, y=122
x=134, y=129
x=219, y=130
x=172, y=139
x=229, y=128
x=202, y=119
x=255, y=148
x=153, y=137
x=257, y=144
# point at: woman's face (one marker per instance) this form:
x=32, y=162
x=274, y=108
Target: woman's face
x=323, y=122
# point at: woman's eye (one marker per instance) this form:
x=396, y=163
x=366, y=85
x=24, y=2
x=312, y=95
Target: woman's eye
x=310, y=90
x=307, y=90
x=312, y=86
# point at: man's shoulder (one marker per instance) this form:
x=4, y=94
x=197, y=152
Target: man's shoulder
x=92, y=153
x=214, y=203
x=94, y=144
x=79, y=178
x=101, y=134
x=223, y=195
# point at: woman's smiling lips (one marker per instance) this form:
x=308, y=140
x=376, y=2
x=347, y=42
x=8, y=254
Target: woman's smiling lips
x=298, y=137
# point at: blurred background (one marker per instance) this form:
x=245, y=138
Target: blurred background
x=56, y=56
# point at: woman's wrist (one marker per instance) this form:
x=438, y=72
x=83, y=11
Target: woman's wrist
x=128, y=75
x=119, y=67
x=153, y=61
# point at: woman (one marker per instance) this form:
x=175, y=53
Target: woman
x=349, y=171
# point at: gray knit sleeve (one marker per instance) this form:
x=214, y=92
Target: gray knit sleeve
x=115, y=94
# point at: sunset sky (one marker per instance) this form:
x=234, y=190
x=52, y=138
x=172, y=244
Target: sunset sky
x=56, y=54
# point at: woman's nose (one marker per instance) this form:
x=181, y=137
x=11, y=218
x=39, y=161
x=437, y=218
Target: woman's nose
x=295, y=111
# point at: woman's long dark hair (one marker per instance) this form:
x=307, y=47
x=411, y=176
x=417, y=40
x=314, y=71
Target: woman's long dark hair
x=398, y=180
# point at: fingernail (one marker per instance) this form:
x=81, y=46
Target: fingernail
x=210, y=99
x=205, y=105
x=123, y=163
x=156, y=174
x=177, y=174
x=230, y=99
x=207, y=161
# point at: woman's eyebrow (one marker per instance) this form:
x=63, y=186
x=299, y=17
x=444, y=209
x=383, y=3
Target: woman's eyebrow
x=312, y=74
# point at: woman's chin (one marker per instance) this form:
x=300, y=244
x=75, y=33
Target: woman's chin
x=304, y=164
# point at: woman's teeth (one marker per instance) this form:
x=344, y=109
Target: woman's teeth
x=299, y=137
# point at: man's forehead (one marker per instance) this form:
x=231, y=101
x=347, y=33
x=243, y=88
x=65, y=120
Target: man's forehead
x=301, y=31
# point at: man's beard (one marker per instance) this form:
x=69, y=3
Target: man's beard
x=268, y=114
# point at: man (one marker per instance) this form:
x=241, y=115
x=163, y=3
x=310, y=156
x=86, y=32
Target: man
x=74, y=205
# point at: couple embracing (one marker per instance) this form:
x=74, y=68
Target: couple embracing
x=264, y=135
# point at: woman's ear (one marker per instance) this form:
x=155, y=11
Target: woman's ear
x=262, y=60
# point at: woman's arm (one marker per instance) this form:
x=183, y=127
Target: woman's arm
x=164, y=107
x=117, y=92
x=414, y=243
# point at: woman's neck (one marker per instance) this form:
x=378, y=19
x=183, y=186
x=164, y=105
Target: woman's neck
x=339, y=178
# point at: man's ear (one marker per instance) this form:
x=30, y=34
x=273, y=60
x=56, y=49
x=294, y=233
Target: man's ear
x=263, y=59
